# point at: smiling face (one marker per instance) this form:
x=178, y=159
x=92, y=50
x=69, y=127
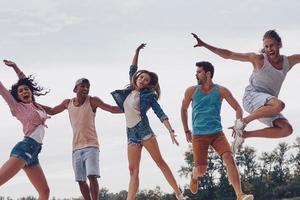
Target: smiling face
x=24, y=94
x=271, y=47
x=142, y=81
x=82, y=89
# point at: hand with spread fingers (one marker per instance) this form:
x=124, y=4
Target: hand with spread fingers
x=200, y=43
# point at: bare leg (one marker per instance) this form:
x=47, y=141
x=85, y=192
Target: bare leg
x=10, y=168
x=232, y=172
x=85, y=190
x=134, y=158
x=199, y=171
x=152, y=147
x=38, y=180
x=272, y=107
x=94, y=187
x=281, y=128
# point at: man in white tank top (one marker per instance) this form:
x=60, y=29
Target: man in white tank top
x=261, y=96
x=85, y=156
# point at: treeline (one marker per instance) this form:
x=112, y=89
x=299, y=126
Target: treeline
x=268, y=176
x=272, y=175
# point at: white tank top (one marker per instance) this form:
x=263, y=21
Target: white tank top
x=268, y=79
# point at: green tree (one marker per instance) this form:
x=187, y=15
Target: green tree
x=295, y=158
x=281, y=172
x=246, y=160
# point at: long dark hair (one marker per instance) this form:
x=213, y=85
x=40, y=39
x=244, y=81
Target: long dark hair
x=30, y=82
x=153, y=84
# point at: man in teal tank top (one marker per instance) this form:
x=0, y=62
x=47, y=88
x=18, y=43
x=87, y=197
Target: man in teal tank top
x=206, y=98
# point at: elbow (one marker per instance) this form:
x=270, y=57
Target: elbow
x=226, y=56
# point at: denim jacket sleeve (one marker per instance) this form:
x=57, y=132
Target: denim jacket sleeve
x=120, y=95
x=132, y=70
x=157, y=109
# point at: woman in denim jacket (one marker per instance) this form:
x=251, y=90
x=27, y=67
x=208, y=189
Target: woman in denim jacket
x=143, y=93
x=24, y=155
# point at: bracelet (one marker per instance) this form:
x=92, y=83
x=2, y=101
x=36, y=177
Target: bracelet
x=187, y=131
x=171, y=131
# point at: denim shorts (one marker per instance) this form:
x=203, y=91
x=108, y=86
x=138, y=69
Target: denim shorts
x=85, y=163
x=139, y=133
x=28, y=150
x=254, y=100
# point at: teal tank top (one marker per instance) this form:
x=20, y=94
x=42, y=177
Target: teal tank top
x=206, y=108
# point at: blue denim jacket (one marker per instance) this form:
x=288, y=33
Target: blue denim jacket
x=147, y=99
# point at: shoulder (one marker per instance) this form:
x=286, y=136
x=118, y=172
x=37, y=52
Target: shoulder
x=256, y=55
x=148, y=94
x=251, y=56
x=189, y=93
x=293, y=59
x=224, y=91
x=190, y=90
x=94, y=100
x=66, y=102
x=257, y=60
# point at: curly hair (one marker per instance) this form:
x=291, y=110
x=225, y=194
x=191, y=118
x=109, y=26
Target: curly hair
x=153, y=84
x=30, y=82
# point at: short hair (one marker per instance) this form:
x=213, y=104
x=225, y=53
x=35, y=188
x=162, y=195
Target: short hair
x=274, y=35
x=207, y=66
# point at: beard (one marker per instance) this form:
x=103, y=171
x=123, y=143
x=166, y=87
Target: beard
x=200, y=81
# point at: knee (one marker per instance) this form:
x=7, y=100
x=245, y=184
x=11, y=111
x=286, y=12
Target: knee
x=93, y=179
x=279, y=106
x=200, y=170
x=287, y=130
x=82, y=184
x=133, y=170
x=228, y=158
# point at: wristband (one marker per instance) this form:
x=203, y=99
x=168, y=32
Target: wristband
x=187, y=131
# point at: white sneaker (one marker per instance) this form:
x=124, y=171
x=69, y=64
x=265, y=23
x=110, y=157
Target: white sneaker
x=182, y=197
x=238, y=129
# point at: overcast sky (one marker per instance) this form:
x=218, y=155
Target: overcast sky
x=62, y=40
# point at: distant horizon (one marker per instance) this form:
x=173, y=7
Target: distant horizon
x=142, y=190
